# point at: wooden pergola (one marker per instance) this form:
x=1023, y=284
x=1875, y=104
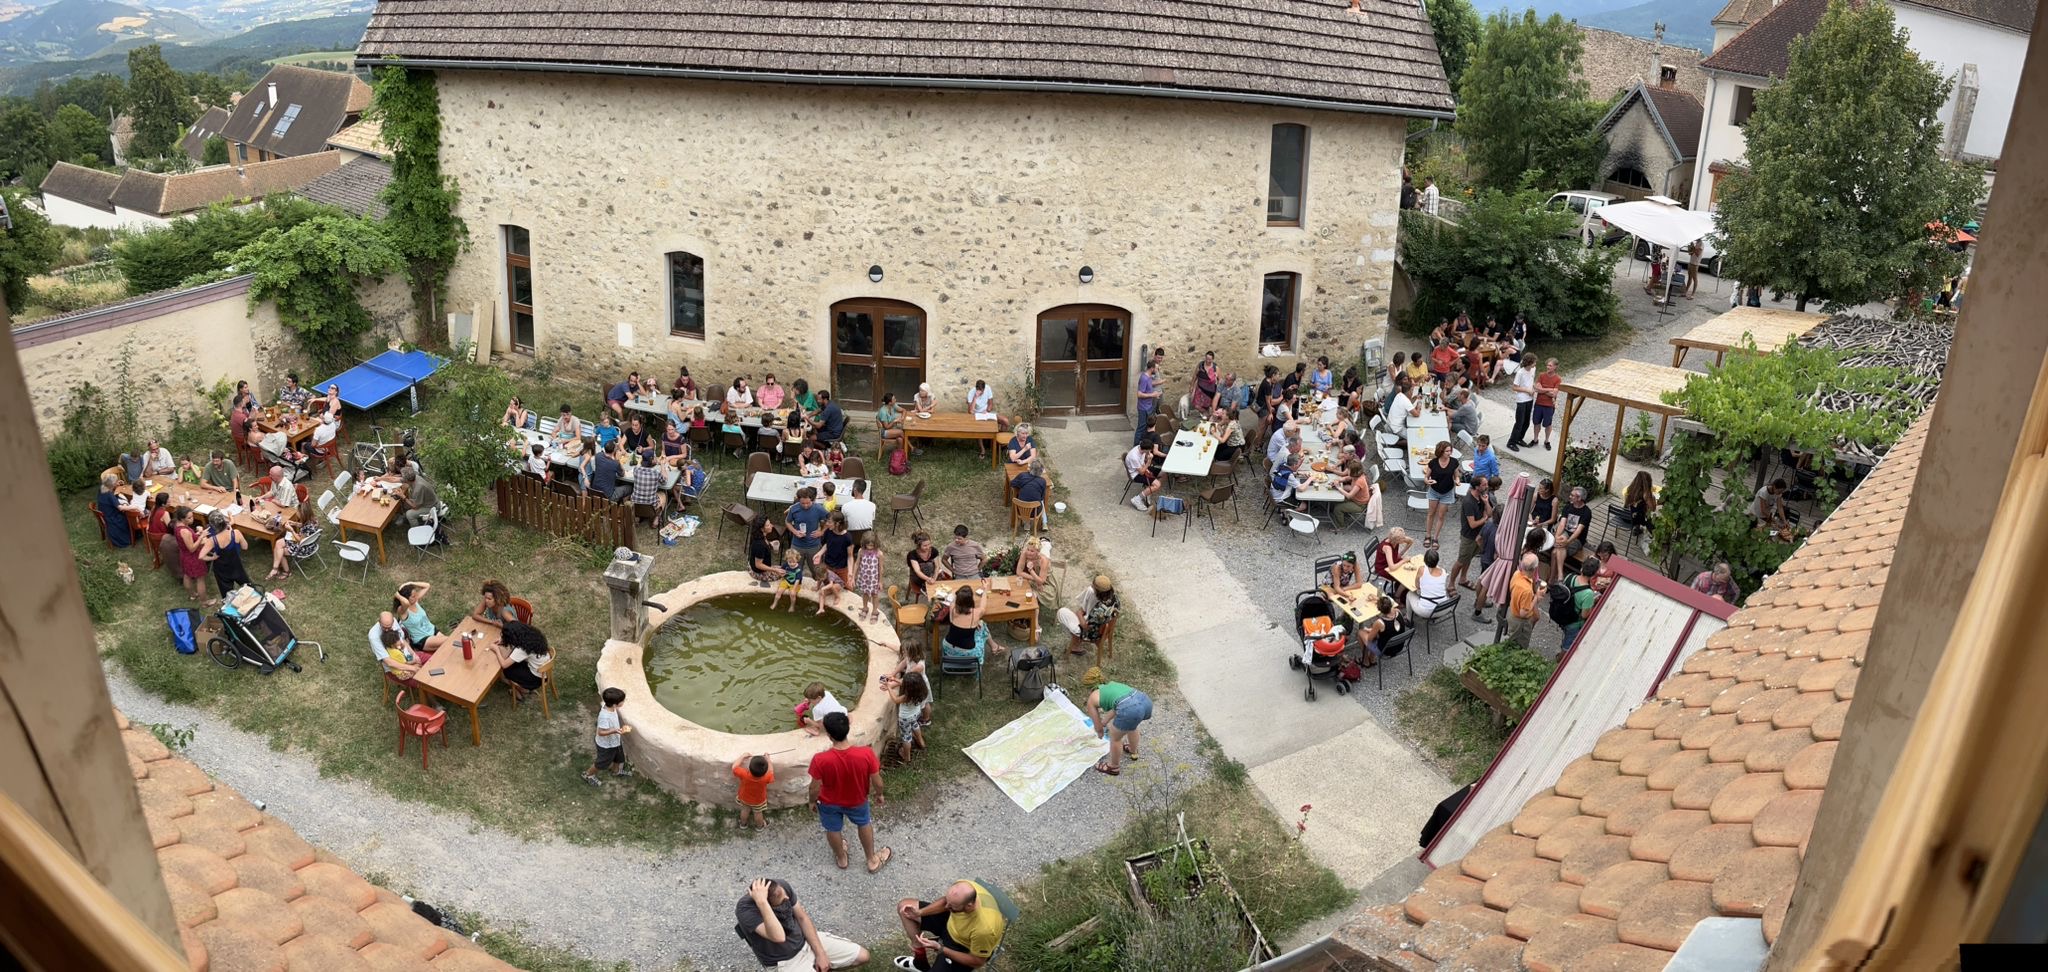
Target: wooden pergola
x=1769, y=327
x=1625, y=385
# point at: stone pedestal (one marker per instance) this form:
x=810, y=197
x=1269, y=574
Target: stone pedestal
x=627, y=579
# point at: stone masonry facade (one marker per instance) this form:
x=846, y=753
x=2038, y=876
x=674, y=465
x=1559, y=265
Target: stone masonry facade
x=981, y=208
x=1610, y=62
x=1635, y=142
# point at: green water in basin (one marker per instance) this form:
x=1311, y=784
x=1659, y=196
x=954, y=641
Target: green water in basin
x=730, y=664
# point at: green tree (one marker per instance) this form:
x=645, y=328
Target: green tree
x=1523, y=109
x=103, y=95
x=215, y=152
x=1508, y=254
x=26, y=250
x=1845, y=170
x=24, y=145
x=161, y=103
x=164, y=258
x=209, y=88
x=463, y=441
x=420, y=201
x=311, y=270
x=1457, y=30
x=78, y=137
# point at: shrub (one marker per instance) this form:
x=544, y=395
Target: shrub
x=1509, y=253
x=1585, y=461
x=104, y=592
x=95, y=431
x=1517, y=673
x=167, y=257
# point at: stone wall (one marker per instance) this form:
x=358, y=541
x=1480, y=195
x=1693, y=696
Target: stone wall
x=980, y=208
x=1635, y=141
x=176, y=345
x=1610, y=62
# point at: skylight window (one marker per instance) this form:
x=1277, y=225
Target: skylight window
x=291, y=114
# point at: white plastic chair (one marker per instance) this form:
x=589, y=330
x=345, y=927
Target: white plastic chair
x=422, y=539
x=326, y=500
x=354, y=552
x=1304, y=524
x=341, y=482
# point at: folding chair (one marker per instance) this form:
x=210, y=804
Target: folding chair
x=1172, y=506
x=962, y=665
x=1444, y=608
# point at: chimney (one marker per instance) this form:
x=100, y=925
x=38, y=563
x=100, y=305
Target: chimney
x=273, y=95
x=1667, y=77
x=1657, y=56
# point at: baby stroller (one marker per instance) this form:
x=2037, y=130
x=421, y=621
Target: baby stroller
x=1323, y=644
x=253, y=631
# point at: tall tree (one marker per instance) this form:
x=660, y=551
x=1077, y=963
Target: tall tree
x=420, y=202
x=78, y=137
x=24, y=145
x=1844, y=170
x=215, y=152
x=209, y=88
x=161, y=103
x=1522, y=107
x=1457, y=30
x=25, y=251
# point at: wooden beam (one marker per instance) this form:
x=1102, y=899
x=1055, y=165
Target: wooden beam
x=1564, y=439
x=61, y=758
x=1614, y=444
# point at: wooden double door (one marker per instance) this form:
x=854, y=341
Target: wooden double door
x=1084, y=359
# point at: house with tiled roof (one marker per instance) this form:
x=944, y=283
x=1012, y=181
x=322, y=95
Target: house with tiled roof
x=892, y=193
x=356, y=187
x=1652, y=133
x=1699, y=805
x=1979, y=45
x=364, y=138
x=208, y=127
x=293, y=111
x=135, y=199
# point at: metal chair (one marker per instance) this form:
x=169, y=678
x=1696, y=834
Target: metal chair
x=419, y=721
x=1444, y=608
x=354, y=552
x=308, y=547
x=968, y=665
x=1392, y=648
x=903, y=503
x=1209, y=499
x=1172, y=506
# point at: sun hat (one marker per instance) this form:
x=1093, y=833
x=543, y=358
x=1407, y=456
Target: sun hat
x=1102, y=583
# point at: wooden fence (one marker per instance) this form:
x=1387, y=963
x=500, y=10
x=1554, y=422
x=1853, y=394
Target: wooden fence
x=529, y=502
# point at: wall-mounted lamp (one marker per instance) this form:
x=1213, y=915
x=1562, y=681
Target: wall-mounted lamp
x=875, y=273
x=1087, y=275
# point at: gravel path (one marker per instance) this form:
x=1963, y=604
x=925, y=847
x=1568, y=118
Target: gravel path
x=677, y=907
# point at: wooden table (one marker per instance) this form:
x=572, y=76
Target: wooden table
x=1408, y=573
x=253, y=521
x=1361, y=604
x=365, y=513
x=955, y=425
x=1011, y=601
x=464, y=682
x=295, y=434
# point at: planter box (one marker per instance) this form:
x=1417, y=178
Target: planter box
x=1210, y=873
x=1502, y=711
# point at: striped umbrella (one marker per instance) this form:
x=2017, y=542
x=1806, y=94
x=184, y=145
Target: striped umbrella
x=1507, y=545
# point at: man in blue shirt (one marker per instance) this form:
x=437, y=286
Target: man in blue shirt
x=1485, y=462
x=831, y=422
x=616, y=398
x=605, y=476
x=1030, y=485
x=805, y=521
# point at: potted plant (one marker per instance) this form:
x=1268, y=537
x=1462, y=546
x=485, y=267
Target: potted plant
x=1507, y=677
x=1639, y=443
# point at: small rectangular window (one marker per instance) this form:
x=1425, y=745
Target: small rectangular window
x=284, y=123
x=1745, y=102
x=1289, y=175
x=519, y=287
x=686, y=294
x=1276, y=309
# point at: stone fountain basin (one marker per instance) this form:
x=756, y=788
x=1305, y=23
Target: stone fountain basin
x=695, y=763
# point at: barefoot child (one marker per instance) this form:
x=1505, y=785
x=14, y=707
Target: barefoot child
x=817, y=703
x=611, y=734
x=836, y=555
x=867, y=577
x=792, y=581
x=754, y=776
x=910, y=696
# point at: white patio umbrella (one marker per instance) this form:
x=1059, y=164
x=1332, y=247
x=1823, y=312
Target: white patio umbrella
x=1507, y=546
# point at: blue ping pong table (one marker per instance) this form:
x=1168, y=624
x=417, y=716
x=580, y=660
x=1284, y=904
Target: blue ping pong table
x=381, y=378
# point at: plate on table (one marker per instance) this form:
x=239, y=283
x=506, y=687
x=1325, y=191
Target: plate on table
x=924, y=415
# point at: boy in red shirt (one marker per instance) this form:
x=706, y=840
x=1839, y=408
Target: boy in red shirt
x=843, y=779
x=1441, y=360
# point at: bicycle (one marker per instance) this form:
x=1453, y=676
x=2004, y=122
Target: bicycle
x=368, y=457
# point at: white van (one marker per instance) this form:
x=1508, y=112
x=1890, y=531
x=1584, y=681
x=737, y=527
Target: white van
x=1584, y=203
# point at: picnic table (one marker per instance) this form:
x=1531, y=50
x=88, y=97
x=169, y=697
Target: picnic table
x=774, y=487
x=464, y=681
x=254, y=518
x=1192, y=453
x=368, y=512
x=1003, y=598
x=955, y=425
x=297, y=428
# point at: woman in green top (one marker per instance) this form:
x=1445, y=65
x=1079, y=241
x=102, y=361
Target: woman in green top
x=889, y=423
x=801, y=392
x=1117, y=710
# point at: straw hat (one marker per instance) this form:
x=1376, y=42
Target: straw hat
x=1102, y=583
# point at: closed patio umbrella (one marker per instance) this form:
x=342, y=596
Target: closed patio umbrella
x=1507, y=548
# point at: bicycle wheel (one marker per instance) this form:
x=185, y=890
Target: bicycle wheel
x=222, y=653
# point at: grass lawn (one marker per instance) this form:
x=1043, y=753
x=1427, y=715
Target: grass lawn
x=524, y=779
x=314, y=56
x=1278, y=881
x=1575, y=354
x=1453, y=726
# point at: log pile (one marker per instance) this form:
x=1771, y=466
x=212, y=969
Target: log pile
x=1918, y=349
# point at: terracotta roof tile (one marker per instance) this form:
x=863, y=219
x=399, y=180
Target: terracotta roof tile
x=1622, y=957
x=1516, y=880
x=230, y=946
x=1616, y=743
x=1775, y=751
x=1828, y=724
x=1615, y=887
x=1701, y=856
x=1648, y=715
x=1699, y=788
x=1845, y=687
x=1581, y=775
x=1739, y=801
x=1808, y=769
x=190, y=903
x=1484, y=921
x=386, y=957
x=1491, y=952
x=328, y=918
x=1444, y=890
x=1823, y=675
x=1637, y=811
x=1678, y=685
x=1664, y=914
x=1774, y=915
x=1553, y=949
x=1705, y=730
x=1673, y=769
x=1734, y=745
x=1646, y=756
x=1749, y=882
x=1680, y=719
x=216, y=834
x=1787, y=820
x=195, y=951
x=1732, y=698
x=1603, y=799
x=1760, y=707
x=1495, y=851
x=1541, y=908
x=1542, y=813
x=1800, y=712
x=1758, y=668
x=270, y=876
x=308, y=954
x=1662, y=836
x=1587, y=860
x=1566, y=837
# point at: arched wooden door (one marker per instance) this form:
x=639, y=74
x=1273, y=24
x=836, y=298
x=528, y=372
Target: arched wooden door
x=877, y=346
x=1083, y=359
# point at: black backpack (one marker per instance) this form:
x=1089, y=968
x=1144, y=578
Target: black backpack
x=1563, y=608
x=1030, y=669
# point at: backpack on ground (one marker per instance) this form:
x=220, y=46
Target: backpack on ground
x=1030, y=668
x=1564, y=608
x=184, y=625
x=899, y=462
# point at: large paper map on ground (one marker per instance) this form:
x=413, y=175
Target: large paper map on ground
x=1035, y=757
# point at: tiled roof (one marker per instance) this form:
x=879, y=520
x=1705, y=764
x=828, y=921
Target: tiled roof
x=365, y=136
x=208, y=125
x=356, y=187
x=1744, y=11
x=1765, y=49
x=1680, y=113
x=1699, y=804
x=249, y=893
x=2010, y=14
x=328, y=102
x=168, y=195
x=1275, y=50
x=87, y=187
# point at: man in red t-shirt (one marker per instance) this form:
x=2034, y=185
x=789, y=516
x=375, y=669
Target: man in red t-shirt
x=1546, y=399
x=843, y=779
x=1441, y=360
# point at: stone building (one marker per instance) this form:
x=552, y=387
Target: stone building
x=1652, y=135
x=1611, y=63
x=871, y=195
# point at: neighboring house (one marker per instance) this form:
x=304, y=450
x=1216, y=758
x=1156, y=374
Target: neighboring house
x=209, y=125
x=1979, y=45
x=77, y=196
x=1021, y=191
x=360, y=140
x=293, y=111
x=357, y=186
x=1652, y=135
x=1611, y=63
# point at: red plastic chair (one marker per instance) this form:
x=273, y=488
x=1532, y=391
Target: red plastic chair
x=100, y=518
x=419, y=721
x=523, y=609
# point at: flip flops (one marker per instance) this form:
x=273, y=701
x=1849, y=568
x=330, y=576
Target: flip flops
x=885, y=854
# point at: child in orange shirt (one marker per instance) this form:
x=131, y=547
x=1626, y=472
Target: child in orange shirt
x=754, y=776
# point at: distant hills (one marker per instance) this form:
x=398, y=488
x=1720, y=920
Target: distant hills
x=246, y=50
x=72, y=29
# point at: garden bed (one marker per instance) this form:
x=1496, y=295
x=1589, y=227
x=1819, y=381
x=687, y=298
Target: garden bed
x=1185, y=872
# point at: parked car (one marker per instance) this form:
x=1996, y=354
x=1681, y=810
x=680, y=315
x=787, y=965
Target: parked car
x=1585, y=203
